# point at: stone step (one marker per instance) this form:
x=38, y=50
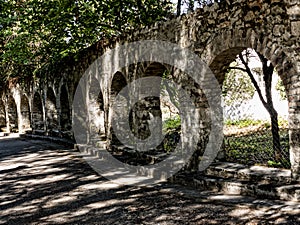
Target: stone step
x=227, y=178
x=233, y=186
x=152, y=156
x=126, y=153
x=39, y=132
x=258, y=174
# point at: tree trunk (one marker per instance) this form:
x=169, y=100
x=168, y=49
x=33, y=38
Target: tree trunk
x=269, y=105
x=267, y=72
x=178, y=7
x=275, y=134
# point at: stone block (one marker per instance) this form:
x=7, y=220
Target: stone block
x=250, y=16
x=295, y=28
x=294, y=10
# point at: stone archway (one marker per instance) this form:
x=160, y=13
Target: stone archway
x=25, y=113
x=225, y=49
x=80, y=116
x=117, y=84
x=150, y=107
x=51, y=111
x=65, y=113
x=2, y=116
x=37, y=113
x=12, y=114
x=96, y=111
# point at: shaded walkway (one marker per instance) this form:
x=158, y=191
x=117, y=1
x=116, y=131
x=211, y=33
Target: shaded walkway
x=45, y=183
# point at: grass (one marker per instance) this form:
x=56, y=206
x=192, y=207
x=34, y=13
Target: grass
x=255, y=146
x=246, y=123
x=250, y=142
x=171, y=124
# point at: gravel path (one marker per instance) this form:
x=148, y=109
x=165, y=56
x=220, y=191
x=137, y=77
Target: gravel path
x=46, y=183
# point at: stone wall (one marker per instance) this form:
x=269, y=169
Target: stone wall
x=216, y=33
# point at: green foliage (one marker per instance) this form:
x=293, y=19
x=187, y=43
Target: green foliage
x=274, y=164
x=38, y=32
x=282, y=122
x=247, y=122
x=237, y=87
x=279, y=87
x=172, y=124
x=172, y=129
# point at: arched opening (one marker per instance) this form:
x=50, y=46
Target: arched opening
x=148, y=108
x=2, y=117
x=25, y=112
x=80, y=116
x=12, y=114
x=164, y=107
x=255, y=116
x=96, y=111
x=51, y=112
x=159, y=111
x=65, y=114
x=37, y=113
x=117, y=84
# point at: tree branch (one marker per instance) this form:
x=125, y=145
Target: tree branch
x=248, y=71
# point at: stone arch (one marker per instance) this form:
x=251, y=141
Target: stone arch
x=37, y=112
x=154, y=69
x=25, y=113
x=65, y=113
x=118, y=82
x=225, y=48
x=2, y=116
x=12, y=114
x=150, y=106
x=51, y=111
x=96, y=110
x=80, y=118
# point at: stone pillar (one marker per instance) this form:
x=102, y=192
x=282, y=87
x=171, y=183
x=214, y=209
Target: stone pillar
x=294, y=123
x=293, y=10
x=17, y=98
x=2, y=115
x=144, y=112
x=7, y=116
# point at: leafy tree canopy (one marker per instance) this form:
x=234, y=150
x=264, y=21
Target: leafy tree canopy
x=237, y=87
x=37, y=32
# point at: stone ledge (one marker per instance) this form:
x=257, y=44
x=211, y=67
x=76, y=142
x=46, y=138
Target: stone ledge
x=232, y=186
x=254, y=173
x=237, y=179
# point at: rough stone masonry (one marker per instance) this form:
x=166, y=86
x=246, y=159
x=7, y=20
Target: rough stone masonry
x=216, y=33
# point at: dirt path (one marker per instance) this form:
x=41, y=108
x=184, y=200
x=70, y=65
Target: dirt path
x=45, y=183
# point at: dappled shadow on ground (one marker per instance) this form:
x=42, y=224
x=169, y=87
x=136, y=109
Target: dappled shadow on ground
x=44, y=183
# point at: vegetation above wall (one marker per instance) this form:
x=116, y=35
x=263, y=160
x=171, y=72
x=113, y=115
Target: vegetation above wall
x=34, y=33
